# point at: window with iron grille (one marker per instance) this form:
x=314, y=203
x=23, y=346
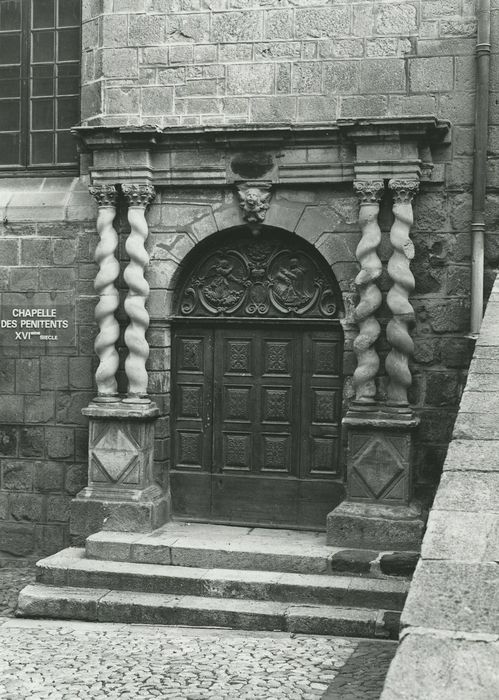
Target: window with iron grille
x=39, y=84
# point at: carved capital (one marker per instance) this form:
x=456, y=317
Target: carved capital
x=254, y=200
x=105, y=195
x=403, y=190
x=369, y=191
x=138, y=195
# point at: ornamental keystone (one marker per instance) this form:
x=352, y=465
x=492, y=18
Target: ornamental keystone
x=254, y=200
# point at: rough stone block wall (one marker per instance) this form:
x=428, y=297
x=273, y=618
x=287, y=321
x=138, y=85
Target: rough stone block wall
x=47, y=241
x=188, y=62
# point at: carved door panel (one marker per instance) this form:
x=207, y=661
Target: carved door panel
x=256, y=425
x=320, y=425
x=192, y=388
x=256, y=457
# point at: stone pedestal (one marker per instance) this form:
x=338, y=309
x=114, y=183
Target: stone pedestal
x=379, y=511
x=121, y=494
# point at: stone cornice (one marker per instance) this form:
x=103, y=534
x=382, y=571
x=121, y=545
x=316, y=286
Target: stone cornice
x=338, y=152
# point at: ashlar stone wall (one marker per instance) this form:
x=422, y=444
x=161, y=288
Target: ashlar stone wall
x=207, y=62
x=226, y=61
x=47, y=243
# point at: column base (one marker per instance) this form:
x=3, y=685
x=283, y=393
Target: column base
x=91, y=511
x=376, y=526
x=379, y=512
x=122, y=494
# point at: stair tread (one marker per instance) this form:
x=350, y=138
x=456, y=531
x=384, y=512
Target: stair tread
x=74, y=559
x=107, y=596
x=217, y=537
x=226, y=547
x=124, y=606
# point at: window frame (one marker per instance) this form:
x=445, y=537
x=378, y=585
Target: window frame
x=25, y=132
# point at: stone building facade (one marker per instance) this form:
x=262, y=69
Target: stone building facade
x=222, y=133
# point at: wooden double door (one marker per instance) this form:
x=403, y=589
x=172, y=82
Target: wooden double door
x=256, y=422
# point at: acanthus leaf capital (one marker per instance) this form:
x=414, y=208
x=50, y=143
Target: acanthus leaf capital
x=138, y=195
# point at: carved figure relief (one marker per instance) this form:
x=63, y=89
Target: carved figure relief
x=254, y=201
x=258, y=278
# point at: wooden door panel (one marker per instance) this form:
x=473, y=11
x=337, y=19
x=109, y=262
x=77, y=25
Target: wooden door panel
x=321, y=405
x=278, y=356
x=257, y=427
x=234, y=408
x=279, y=379
x=236, y=451
x=238, y=354
x=277, y=453
x=190, y=476
x=255, y=407
x=277, y=404
x=255, y=501
x=315, y=499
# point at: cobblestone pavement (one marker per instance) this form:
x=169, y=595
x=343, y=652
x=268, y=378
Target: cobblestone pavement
x=68, y=660
x=364, y=673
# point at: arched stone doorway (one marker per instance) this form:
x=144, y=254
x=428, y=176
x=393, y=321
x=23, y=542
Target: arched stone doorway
x=257, y=352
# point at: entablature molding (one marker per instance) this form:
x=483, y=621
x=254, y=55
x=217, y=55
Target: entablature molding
x=339, y=152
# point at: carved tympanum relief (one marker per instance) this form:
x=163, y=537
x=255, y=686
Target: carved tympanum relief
x=258, y=278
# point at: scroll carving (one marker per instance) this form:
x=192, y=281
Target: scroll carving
x=138, y=197
x=104, y=285
x=369, y=193
x=397, y=331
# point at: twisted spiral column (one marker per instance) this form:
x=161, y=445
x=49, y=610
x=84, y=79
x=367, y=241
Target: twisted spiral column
x=370, y=193
x=138, y=197
x=397, y=330
x=104, y=285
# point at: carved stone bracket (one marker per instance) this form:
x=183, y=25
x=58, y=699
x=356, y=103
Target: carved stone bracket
x=397, y=331
x=254, y=200
x=369, y=193
x=104, y=284
x=138, y=197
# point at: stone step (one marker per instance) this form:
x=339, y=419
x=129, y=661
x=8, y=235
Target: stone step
x=71, y=568
x=229, y=547
x=104, y=605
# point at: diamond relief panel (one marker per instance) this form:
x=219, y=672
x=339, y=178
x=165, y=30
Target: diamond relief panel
x=113, y=454
x=377, y=463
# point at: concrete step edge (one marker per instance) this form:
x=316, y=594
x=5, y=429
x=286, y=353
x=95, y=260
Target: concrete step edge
x=38, y=600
